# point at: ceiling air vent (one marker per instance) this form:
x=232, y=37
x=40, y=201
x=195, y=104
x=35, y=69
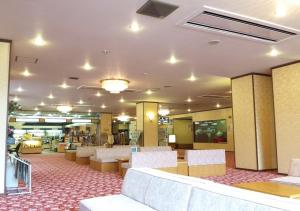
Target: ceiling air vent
x=227, y=23
x=156, y=9
x=215, y=96
x=26, y=60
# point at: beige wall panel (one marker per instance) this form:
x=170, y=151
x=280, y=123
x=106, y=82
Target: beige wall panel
x=150, y=127
x=106, y=121
x=244, y=124
x=183, y=129
x=213, y=115
x=4, y=84
x=140, y=116
x=265, y=125
x=286, y=85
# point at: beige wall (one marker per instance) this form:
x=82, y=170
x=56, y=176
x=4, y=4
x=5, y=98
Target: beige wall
x=287, y=114
x=183, y=129
x=213, y=115
x=149, y=128
x=4, y=84
x=253, y=117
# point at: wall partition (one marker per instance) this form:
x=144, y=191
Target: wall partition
x=4, y=84
x=286, y=85
x=253, y=120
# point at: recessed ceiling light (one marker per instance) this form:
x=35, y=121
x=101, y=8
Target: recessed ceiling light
x=87, y=66
x=36, y=108
x=189, y=100
x=98, y=94
x=192, y=78
x=218, y=105
x=281, y=9
x=135, y=27
x=103, y=106
x=274, y=52
x=80, y=102
x=89, y=110
x=189, y=110
x=50, y=96
x=122, y=100
x=64, y=85
x=172, y=60
x=20, y=89
x=26, y=73
x=149, y=92
x=39, y=41
x=16, y=99
x=42, y=104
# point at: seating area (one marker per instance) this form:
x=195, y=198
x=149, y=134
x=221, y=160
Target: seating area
x=148, y=189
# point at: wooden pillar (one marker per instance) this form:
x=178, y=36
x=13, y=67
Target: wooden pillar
x=105, y=124
x=4, y=86
x=147, y=122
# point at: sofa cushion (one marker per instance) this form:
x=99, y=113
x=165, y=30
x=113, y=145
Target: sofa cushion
x=167, y=195
x=155, y=159
x=205, y=157
x=112, y=203
x=288, y=180
x=203, y=200
x=108, y=160
x=294, y=169
x=135, y=185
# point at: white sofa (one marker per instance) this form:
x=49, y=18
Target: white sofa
x=154, y=149
x=83, y=154
x=203, y=163
x=293, y=177
x=149, y=189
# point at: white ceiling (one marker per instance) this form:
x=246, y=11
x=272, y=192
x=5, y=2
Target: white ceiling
x=78, y=30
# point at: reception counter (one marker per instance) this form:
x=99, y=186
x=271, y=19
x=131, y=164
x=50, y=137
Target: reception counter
x=31, y=147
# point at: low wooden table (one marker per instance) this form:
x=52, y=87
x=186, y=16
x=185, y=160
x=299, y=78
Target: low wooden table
x=120, y=161
x=273, y=188
x=70, y=155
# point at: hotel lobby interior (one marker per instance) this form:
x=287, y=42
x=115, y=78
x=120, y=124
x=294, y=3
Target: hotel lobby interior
x=168, y=105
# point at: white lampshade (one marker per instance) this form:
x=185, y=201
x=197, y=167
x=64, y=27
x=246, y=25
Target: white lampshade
x=163, y=112
x=172, y=138
x=114, y=86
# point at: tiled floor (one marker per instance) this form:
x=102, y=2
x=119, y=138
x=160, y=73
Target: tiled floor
x=59, y=184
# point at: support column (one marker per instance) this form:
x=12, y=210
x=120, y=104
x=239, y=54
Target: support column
x=147, y=122
x=4, y=85
x=105, y=124
x=253, y=119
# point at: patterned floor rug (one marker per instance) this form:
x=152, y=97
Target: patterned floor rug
x=58, y=184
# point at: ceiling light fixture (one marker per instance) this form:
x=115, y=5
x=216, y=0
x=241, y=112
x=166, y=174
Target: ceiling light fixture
x=274, y=52
x=123, y=118
x=50, y=96
x=36, y=108
x=189, y=100
x=189, y=110
x=89, y=110
x=26, y=73
x=114, y=86
x=39, y=41
x=135, y=27
x=87, y=66
x=42, y=104
x=16, y=99
x=192, y=78
x=64, y=108
x=218, y=105
x=172, y=60
x=103, y=106
x=64, y=85
x=98, y=94
x=20, y=89
x=149, y=92
x=281, y=9
x=163, y=112
x=80, y=102
x=122, y=100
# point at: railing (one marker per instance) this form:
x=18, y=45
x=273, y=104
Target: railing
x=18, y=176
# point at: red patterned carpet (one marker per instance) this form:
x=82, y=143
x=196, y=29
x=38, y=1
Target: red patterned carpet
x=59, y=184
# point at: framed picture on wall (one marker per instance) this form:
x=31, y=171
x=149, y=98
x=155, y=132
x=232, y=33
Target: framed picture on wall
x=210, y=131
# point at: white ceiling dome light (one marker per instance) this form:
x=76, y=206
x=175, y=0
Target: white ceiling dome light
x=114, y=86
x=64, y=108
x=163, y=111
